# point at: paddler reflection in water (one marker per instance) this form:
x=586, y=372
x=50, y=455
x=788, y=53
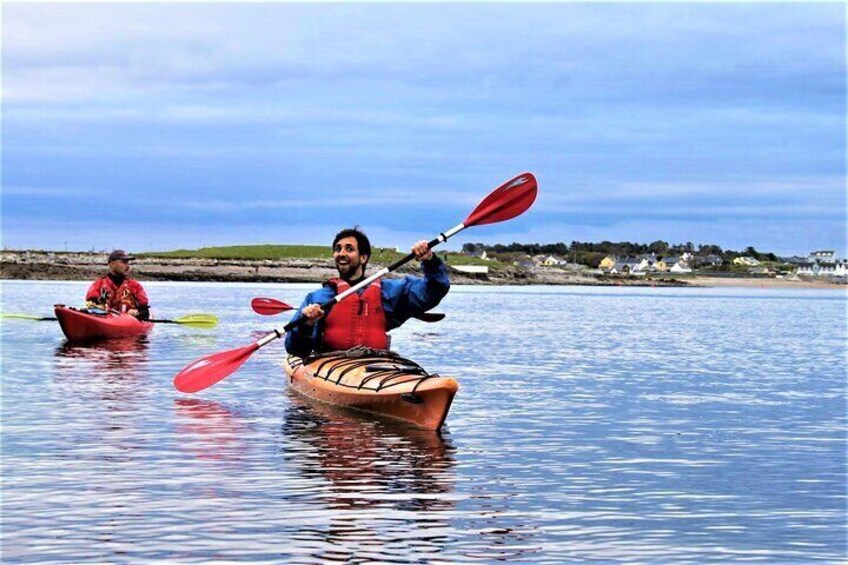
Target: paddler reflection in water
x=117, y=291
x=364, y=317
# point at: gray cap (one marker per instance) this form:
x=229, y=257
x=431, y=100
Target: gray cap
x=119, y=255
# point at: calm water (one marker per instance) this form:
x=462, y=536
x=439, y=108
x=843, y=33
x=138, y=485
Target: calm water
x=632, y=425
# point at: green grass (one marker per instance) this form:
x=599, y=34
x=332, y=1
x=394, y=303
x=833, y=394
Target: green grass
x=278, y=252
x=255, y=252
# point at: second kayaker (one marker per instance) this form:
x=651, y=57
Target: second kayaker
x=117, y=291
x=365, y=317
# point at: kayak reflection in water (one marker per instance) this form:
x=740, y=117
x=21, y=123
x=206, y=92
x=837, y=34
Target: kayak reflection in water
x=389, y=464
x=365, y=317
x=117, y=291
x=115, y=363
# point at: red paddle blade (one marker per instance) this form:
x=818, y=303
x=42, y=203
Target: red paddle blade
x=507, y=201
x=269, y=306
x=208, y=370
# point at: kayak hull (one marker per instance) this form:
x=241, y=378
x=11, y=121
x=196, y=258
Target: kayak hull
x=82, y=326
x=386, y=385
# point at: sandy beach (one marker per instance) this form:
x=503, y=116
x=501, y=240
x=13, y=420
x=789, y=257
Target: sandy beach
x=764, y=283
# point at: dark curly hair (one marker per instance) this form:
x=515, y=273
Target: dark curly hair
x=362, y=242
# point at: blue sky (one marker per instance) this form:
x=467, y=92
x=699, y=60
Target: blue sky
x=157, y=126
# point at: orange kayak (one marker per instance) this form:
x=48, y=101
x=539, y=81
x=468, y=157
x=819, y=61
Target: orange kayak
x=79, y=325
x=374, y=381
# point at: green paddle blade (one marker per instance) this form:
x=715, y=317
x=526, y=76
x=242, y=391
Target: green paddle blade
x=198, y=320
x=24, y=317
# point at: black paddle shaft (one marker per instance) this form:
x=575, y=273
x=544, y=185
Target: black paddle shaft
x=404, y=260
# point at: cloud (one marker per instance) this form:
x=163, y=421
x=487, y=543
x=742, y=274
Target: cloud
x=51, y=192
x=383, y=113
x=112, y=50
x=801, y=190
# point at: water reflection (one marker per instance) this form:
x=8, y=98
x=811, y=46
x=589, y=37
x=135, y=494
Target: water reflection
x=210, y=430
x=357, y=452
x=115, y=367
x=388, y=486
x=115, y=353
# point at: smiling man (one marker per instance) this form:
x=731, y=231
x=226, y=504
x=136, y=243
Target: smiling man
x=365, y=317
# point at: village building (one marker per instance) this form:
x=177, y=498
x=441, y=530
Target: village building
x=709, y=260
x=607, y=263
x=525, y=264
x=648, y=262
x=680, y=267
x=823, y=264
x=822, y=256
x=626, y=267
x=551, y=261
x=472, y=271
x=746, y=261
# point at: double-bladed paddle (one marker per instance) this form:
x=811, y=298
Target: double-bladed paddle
x=27, y=317
x=196, y=320
x=430, y=317
x=507, y=201
x=269, y=306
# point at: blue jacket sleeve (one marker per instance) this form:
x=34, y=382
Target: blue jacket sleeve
x=302, y=340
x=403, y=298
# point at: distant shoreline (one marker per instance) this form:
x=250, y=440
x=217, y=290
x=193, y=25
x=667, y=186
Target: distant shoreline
x=318, y=270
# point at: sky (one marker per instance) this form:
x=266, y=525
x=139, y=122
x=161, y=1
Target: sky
x=164, y=126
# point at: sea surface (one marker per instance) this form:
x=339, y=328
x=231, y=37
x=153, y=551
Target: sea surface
x=637, y=425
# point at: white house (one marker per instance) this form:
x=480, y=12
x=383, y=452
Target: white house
x=680, y=267
x=747, y=261
x=827, y=269
x=479, y=271
x=807, y=268
x=823, y=264
x=822, y=256
x=626, y=267
x=648, y=262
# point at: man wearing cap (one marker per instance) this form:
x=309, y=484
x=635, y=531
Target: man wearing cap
x=116, y=291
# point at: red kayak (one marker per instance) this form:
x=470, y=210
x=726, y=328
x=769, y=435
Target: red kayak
x=79, y=325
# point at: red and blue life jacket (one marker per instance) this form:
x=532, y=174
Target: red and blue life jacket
x=358, y=319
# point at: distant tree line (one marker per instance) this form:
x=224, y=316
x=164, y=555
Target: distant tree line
x=588, y=253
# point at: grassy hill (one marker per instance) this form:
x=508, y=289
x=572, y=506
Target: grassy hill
x=254, y=252
x=279, y=252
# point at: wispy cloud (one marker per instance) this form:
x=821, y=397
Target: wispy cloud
x=51, y=192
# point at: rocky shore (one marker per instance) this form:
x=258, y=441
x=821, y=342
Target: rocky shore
x=88, y=266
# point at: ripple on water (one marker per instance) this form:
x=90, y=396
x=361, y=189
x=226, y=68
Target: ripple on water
x=605, y=425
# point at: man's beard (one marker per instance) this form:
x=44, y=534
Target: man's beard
x=351, y=269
